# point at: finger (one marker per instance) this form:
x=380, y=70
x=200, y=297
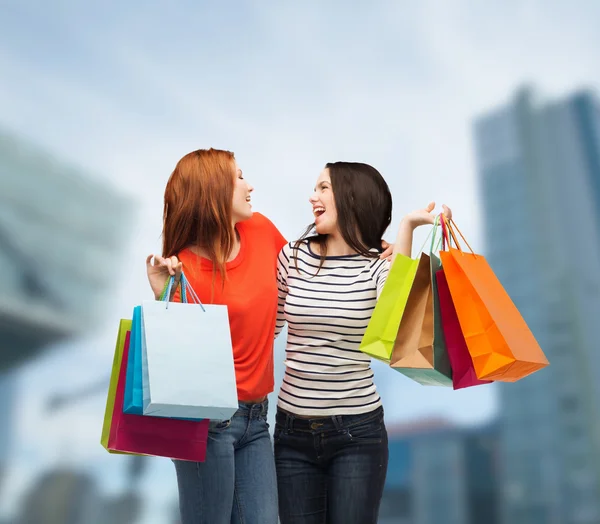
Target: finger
x=384, y=244
x=388, y=252
x=430, y=207
x=154, y=261
x=174, y=264
x=178, y=270
x=447, y=211
x=169, y=265
x=158, y=261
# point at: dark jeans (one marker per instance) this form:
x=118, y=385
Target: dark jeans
x=236, y=484
x=330, y=470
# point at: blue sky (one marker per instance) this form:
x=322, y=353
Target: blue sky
x=124, y=91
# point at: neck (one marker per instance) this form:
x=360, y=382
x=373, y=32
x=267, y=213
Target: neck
x=337, y=247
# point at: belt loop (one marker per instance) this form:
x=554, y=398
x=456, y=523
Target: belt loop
x=289, y=422
x=337, y=421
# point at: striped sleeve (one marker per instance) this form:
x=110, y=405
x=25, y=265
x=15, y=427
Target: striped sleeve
x=283, y=263
x=381, y=269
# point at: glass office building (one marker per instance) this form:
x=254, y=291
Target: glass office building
x=539, y=173
x=59, y=230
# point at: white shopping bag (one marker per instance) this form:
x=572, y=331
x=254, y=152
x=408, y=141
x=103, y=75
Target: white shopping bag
x=187, y=361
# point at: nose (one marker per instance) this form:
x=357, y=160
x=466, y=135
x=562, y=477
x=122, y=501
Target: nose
x=250, y=188
x=313, y=198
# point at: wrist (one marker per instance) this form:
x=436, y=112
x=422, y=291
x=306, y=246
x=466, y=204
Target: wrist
x=407, y=224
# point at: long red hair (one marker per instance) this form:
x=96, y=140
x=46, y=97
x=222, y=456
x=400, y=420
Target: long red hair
x=198, y=206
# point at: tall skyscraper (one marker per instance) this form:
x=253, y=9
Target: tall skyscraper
x=539, y=173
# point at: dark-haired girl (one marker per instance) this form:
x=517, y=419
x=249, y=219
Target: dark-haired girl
x=331, y=448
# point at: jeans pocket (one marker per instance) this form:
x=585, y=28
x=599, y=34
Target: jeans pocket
x=218, y=426
x=371, y=432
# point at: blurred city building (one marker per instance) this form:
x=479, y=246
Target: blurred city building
x=439, y=473
x=58, y=229
x=62, y=496
x=539, y=171
x=7, y=412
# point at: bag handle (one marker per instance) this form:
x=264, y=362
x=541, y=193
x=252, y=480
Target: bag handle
x=436, y=226
x=426, y=240
x=192, y=292
x=185, y=288
x=448, y=225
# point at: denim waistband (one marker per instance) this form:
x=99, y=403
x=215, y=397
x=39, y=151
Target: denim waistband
x=289, y=422
x=251, y=411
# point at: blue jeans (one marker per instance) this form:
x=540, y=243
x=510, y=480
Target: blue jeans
x=237, y=483
x=330, y=470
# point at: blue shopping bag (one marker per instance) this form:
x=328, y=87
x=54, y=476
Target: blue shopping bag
x=133, y=400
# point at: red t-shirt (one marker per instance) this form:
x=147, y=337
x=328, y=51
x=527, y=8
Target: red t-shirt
x=250, y=294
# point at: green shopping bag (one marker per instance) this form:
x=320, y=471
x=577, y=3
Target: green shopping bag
x=420, y=349
x=124, y=327
x=378, y=340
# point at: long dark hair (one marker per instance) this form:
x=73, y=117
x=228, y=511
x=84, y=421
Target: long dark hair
x=364, y=210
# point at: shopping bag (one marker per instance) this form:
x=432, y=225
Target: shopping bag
x=187, y=360
x=379, y=337
x=463, y=372
x=419, y=349
x=133, y=403
x=122, y=337
x=441, y=358
x=134, y=397
x=501, y=344
x=161, y=437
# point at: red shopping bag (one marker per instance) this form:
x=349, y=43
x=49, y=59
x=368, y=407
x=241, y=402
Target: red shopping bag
x=463, y=371
x=146, y=435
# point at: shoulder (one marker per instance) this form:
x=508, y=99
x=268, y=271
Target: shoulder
x=300, y=249
x=187, y=257
x=258, y=221
x=286, y=250
x=263, y=230
x=379, y=266
x=296, y=250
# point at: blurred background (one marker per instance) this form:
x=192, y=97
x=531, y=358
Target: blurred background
x=489, y=107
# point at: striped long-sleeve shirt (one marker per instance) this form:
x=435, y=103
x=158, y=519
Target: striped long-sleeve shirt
x=327, y=315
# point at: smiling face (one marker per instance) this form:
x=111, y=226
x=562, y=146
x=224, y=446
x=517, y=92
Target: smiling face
x=241, y=208
x=323, y=204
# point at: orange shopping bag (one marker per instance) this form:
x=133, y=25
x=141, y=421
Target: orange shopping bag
x=501, y=344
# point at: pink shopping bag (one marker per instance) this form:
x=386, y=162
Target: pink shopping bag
x=147, y=435
x=463, y=372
